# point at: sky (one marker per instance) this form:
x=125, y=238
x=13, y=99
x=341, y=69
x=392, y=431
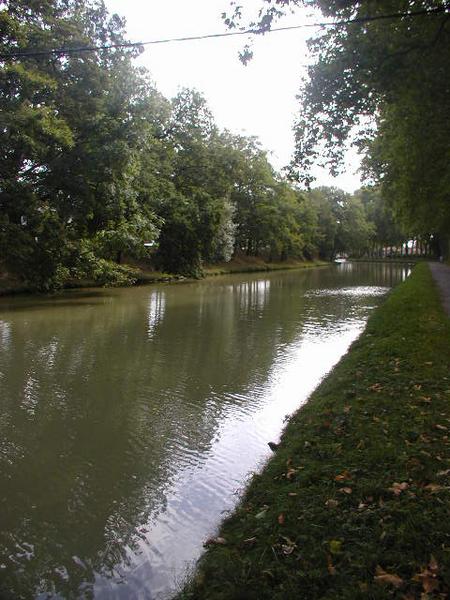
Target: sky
x=258, y=99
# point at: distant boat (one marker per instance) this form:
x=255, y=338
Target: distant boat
x=340, y=259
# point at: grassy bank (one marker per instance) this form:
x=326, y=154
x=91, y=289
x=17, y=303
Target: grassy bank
x=355, y=502
x=251, y=264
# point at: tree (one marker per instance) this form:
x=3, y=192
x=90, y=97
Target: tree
x=386, y=232
x=391, y=68
x=341, y=225
x=70, y=137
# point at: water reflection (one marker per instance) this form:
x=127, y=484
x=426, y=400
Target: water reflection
x=156, y=310
x=128, y=420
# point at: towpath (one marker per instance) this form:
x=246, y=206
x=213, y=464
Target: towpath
x=441, y=275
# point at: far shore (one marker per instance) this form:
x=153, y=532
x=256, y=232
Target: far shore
x=146, y=276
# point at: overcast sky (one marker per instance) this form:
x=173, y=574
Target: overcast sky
x=257, y=99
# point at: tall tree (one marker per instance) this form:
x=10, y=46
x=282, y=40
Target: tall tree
x=70, y=137
x=389, y=71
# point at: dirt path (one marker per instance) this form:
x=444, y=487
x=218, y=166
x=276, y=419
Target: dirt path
x=441, y=274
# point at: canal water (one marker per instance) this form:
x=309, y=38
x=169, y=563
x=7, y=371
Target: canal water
x=130, y=419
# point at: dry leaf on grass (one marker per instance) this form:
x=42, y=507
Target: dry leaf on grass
x=387, y=578
x=398, y=488
x=342, y=476
x=331, y=503
x=434, y=487
x=290, y=474
x=428, y=577
x=331, y=568
x=443, y=473
x=219, y=541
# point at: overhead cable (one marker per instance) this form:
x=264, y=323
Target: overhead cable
x=357, y=20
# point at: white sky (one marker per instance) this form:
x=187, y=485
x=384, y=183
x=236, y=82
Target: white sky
x=257, y=99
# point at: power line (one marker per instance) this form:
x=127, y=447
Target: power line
x=357, y=20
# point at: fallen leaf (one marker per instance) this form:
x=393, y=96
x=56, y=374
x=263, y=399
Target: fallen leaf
x=347, y=409
x=331, y=503
x=376, y=387
x=342, y=476
x=220, y=541
x=290, y=474
x=389, y=578
x=331, y=568
x=346, y=490
x=262, y=513
x=433, y=565
x=281, y=519
x=434, y=487
x=289, y=546
x=443, y=473
x=398, y=488
x=441, y=427
x=428, y=577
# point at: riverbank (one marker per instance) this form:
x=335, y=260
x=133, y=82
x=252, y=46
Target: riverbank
x=144, y=276
x=355, y=502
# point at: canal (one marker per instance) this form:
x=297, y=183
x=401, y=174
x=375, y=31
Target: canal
x=130, y=419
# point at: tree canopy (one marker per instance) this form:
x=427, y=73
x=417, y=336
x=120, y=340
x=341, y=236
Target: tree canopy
x=97, y=166
x=380, y=79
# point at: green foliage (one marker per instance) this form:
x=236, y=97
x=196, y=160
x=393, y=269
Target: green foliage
x=88, y=266
x=71, y=131
x=95, y=162
x=341, y=226
x=383, y=83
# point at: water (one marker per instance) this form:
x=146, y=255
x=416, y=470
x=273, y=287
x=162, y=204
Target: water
x=130, y=419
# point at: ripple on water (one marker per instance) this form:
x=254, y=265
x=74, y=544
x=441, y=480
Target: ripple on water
x=357, y=291
x=156, y=430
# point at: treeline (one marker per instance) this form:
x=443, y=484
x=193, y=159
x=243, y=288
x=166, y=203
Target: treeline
x=97, y=166
x=379, y=79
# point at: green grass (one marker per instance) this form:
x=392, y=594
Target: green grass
x=253, y=264
x=355, y=502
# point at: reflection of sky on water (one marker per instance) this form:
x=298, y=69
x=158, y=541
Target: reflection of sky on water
x=202, y=493
x=352, y=291
x=203, y=490
x=156, y=310
x=129, y=418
